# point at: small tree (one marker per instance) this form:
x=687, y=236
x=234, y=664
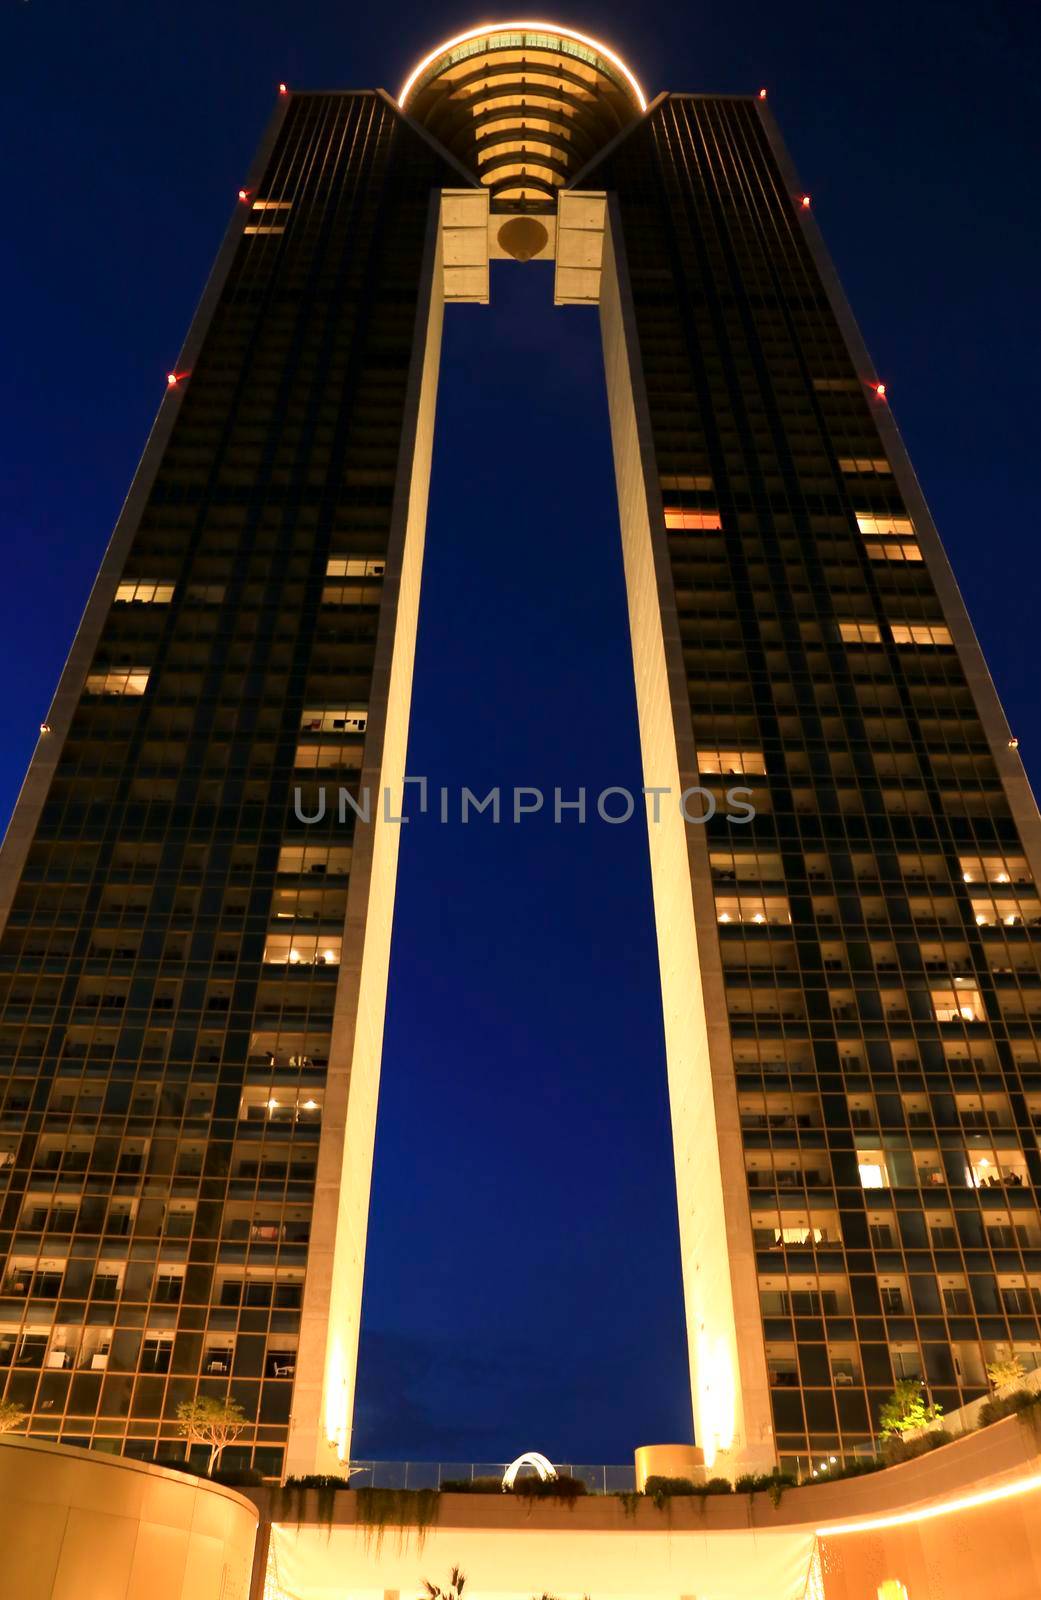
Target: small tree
x=206, y=1420
x=1005, y=1371
x=906, y=1409
x=456, y=1585
x=11, y=1416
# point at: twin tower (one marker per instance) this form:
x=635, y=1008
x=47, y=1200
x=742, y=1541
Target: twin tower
x=195, y=981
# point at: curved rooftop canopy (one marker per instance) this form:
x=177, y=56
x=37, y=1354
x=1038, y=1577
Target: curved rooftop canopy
x=524, y=105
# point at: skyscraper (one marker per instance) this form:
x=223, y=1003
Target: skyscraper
x=195, y=975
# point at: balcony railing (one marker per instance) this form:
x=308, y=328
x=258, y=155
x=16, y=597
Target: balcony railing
x=434, y=1474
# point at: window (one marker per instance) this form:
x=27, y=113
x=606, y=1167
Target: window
x=963, y=1003
x=156, y=1350
x=864, y=464
x=355, y=567
x=920, y=633
x=127, y=681
x=893, y=552
x=168, y=1287
x=753, y=908
x=860, y=633
x=144, y=594
x=681, y=517
x=869, y=523
x=314, y=950
x=331, y=860
x=872, y=1167
x=350, y=719
x=734, y=763
x=892, y=1299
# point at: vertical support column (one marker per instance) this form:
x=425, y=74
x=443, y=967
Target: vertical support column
x=729, y=1383
x=323, y=1397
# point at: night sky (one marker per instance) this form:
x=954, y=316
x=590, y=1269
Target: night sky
x=523, y=1277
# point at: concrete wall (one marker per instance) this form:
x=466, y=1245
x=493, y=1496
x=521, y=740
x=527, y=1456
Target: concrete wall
x=77, y=1525
x=733, y=1421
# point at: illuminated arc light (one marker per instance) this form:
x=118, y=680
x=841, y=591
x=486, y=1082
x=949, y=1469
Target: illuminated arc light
x=967, y=1502
x=492, y=28
x=531, y=1458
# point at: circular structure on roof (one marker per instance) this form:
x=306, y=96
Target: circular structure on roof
x=523, y=105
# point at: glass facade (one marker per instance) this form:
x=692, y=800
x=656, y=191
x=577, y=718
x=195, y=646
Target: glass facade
x=170, y=960
x=877, y=923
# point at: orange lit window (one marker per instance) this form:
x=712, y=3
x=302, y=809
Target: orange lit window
x=893, y=552
x=355, y=567
x=920, y=633
x=681, y=517
x=864, y=464
x=127, y=682
x=158, y=594
x=860, y=633
x=305, y=950
x=733, y=762
x=867, y=522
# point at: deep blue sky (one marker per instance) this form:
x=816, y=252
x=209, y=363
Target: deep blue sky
x=523, y=1287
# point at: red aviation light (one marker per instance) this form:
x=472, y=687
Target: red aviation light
x=762, y=94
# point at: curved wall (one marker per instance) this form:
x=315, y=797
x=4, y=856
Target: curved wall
x=76, y=1525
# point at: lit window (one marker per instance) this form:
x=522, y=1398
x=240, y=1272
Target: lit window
x=920, y=633
x=338, y=719
x=272, y=205
x=145, y=594
x=869, y=523
x=963, y=1003
x=860, y=633
x=253, y=229
x=303, y=950
x=326, y=756
x=893, y=552
x=680, y=517
x=872, y=1169
x=754, y=908
x=128, y=681
x=733, y=762
x=355, y=567
x=864, y=464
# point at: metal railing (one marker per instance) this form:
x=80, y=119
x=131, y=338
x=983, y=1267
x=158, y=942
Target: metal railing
x=438, y=1474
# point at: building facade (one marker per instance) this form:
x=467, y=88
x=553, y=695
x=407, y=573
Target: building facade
x=194, y=976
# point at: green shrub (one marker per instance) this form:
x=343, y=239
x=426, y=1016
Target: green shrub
x=471, y=1486
x=856, y=1468
x=715, y=1486
x=237, y=1477
x=562, y=1487
x=658, y=1487
x=1006, y=1405
x=896, y=1448
x=317, y=1480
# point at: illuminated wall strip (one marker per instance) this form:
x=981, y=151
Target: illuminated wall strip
x=968, y=1502
x=522, y=27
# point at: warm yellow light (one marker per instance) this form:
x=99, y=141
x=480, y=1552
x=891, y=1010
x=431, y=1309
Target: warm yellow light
x=522, y=27
x=967, y=1502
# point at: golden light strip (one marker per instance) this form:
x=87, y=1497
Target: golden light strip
x=968, y=1502
x=523, y=27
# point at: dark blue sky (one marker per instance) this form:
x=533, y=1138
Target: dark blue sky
x=523, y=1287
